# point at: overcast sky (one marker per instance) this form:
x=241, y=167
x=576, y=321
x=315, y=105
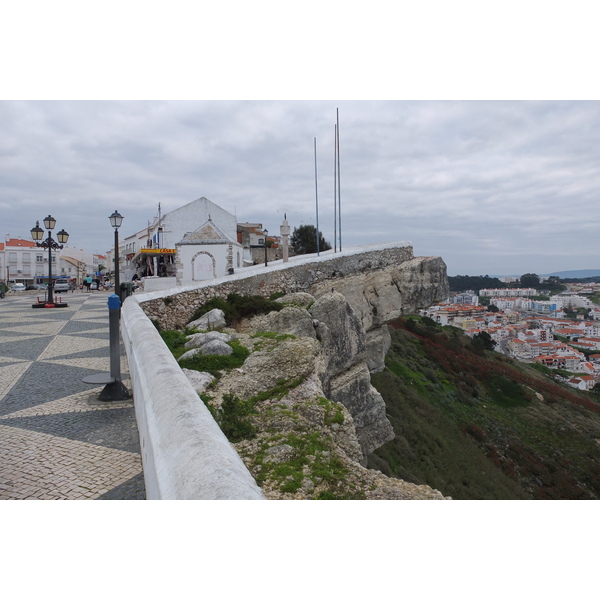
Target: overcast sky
x=493, y=187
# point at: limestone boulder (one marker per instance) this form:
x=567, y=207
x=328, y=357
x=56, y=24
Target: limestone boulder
x=190, y=354
x=218, y=347
x=301, y=299
x=291, y=359
x=214, y=319
x=292, y=320
x=340, y=332
x=200, y=381
x=197, y=340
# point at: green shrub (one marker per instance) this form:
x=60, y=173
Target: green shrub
x=232, y=418
x=279, y=391
x=213, y=363
x=238, y=307
x=173, y=339
x=429, y=322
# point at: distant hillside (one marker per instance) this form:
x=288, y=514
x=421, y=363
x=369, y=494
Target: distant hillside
x=475, y=424
x=581, y=274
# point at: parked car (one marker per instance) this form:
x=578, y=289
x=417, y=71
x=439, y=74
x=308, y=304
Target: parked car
x=17, y=287
x=37, y=286
x=62, y=285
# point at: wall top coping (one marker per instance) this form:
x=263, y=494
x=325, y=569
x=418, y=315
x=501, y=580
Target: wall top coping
x=276, y=265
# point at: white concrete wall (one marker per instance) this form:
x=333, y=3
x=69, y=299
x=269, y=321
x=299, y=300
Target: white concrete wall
x=213, y=257
x=185, y=455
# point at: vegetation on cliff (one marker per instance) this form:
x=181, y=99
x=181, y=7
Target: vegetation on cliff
x=475, y=424
x=237, y=307
x=296, y=442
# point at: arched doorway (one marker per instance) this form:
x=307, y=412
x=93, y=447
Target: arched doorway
x=204, y=266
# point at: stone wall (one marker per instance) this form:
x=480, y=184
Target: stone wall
x=172, y=309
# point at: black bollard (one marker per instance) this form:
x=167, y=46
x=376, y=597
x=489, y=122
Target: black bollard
x=114, y=388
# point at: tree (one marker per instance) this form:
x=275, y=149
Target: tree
x=304, y=240
x=530, y=280
x=462, y=283
x=483, y=341
x=429, y=322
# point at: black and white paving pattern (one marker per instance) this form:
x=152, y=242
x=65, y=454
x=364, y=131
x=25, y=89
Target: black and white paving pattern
x=57, y=440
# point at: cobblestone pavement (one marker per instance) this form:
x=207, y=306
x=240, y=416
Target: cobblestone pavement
x=57, y=440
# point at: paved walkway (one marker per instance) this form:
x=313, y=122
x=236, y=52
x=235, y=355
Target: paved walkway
x=57, y=440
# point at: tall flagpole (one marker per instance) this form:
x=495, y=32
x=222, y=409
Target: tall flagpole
x=335, y=188
x=317, y=198
x=338, y=174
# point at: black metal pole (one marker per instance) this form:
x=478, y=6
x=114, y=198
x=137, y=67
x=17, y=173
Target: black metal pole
x=117, y=279
x=265, y=251
x=50, y=286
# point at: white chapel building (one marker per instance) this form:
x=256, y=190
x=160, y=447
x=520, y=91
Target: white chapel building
x=193, y=243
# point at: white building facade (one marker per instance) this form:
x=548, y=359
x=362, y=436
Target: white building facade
x=195, y=242
x=207, y=253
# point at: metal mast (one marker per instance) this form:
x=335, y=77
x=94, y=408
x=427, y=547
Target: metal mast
x=335, y=188
x=317, y=198
x=338, y=175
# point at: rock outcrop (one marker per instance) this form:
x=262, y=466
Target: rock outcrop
x=317, y=416
x=346, y=377
x=381, y=296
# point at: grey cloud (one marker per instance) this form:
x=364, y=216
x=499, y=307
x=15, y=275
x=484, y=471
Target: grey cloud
x=479, y=183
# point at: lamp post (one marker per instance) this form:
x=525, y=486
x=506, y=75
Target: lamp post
x=37, y=233
x=266, y=233
x=115, y=220
x=114, y=388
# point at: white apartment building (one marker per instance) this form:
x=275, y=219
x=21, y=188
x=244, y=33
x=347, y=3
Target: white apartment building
x=506, y=292
x=572, y=301
x=23, y=262
x=544, y=306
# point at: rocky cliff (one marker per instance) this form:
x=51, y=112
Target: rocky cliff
x=308, y=374
x=316, y=417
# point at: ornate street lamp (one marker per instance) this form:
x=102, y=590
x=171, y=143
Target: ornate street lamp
x=37, y=233
x=115, y=220
x=265, y=233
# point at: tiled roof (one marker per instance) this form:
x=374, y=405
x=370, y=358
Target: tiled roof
x=209, y=233
x=18, y=242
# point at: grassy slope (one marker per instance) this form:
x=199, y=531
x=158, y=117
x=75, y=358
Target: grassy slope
x=469, y=423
